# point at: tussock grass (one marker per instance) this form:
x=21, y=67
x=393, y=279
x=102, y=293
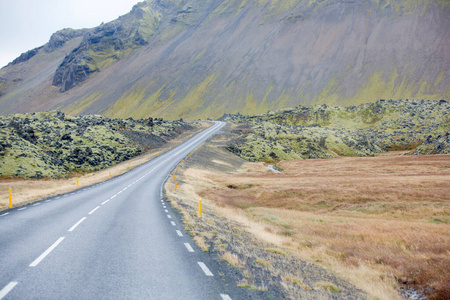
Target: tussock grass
x=327, y=286
x=201, y=243
x=296, y=281
x=276, y=251
x=263, y=262
x=232, y=259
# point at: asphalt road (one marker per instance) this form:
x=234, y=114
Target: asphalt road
x=113, y=240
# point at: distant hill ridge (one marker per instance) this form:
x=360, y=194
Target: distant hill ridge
x=202, y=58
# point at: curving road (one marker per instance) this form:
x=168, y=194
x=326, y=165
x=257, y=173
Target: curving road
x=113, y=240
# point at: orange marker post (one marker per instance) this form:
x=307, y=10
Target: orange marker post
x=10, y=198
x=109, y=174
x=175, y=187
x=173, y=177
x=78, y=181
x=200, y=208
x=177, y=168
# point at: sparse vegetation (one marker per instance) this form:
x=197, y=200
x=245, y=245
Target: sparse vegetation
x=263, y=262
x=327, y=286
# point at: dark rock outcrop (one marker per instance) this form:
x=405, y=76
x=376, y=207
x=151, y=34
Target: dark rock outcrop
x=59, y=38
x=26, y=56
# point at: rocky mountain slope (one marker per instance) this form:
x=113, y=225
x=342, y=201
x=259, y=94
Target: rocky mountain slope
x=52, y=144
x=191, y=59
x=324, y=131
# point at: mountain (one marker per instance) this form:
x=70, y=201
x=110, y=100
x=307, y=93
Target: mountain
x=202, y=58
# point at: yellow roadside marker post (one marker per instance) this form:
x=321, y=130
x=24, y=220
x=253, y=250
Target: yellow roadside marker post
x=175, y=187
x=78, y=181
x=10, y=198
x=177, y=168
x=173, y=177
x=109, y=174
x=190, y=154
x=200, y=208
x=129, y=165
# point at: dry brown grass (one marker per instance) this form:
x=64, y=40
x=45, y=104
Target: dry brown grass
x=232, y=259
x=372, y=220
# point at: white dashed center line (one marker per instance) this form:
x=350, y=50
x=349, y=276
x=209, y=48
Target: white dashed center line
x=166, y=210
x=113, y=196
x=205, y=269
x=7, y=289
x=188, y=247
x=77, y=223
x=47, y=252
x=104, y=202
x=92, y=211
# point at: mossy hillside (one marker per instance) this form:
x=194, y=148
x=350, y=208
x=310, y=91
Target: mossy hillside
x=323, y=131
x=108, y=43
x=53, y=144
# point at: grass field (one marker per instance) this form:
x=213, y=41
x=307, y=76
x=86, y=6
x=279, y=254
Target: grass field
x=382, y=222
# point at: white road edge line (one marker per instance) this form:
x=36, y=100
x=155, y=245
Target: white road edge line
x=173, y=223
x=7, y=289
x=36, y=204
x=179, y=233
x=225, y=297
x=92, y=211
x=169, y=216
x=205, y=269
x=77, y=223
x=4, y=214
x=47, y=252
x=188, y=247
x=22, y=208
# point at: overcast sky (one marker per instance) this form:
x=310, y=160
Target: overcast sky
x=27, y=24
